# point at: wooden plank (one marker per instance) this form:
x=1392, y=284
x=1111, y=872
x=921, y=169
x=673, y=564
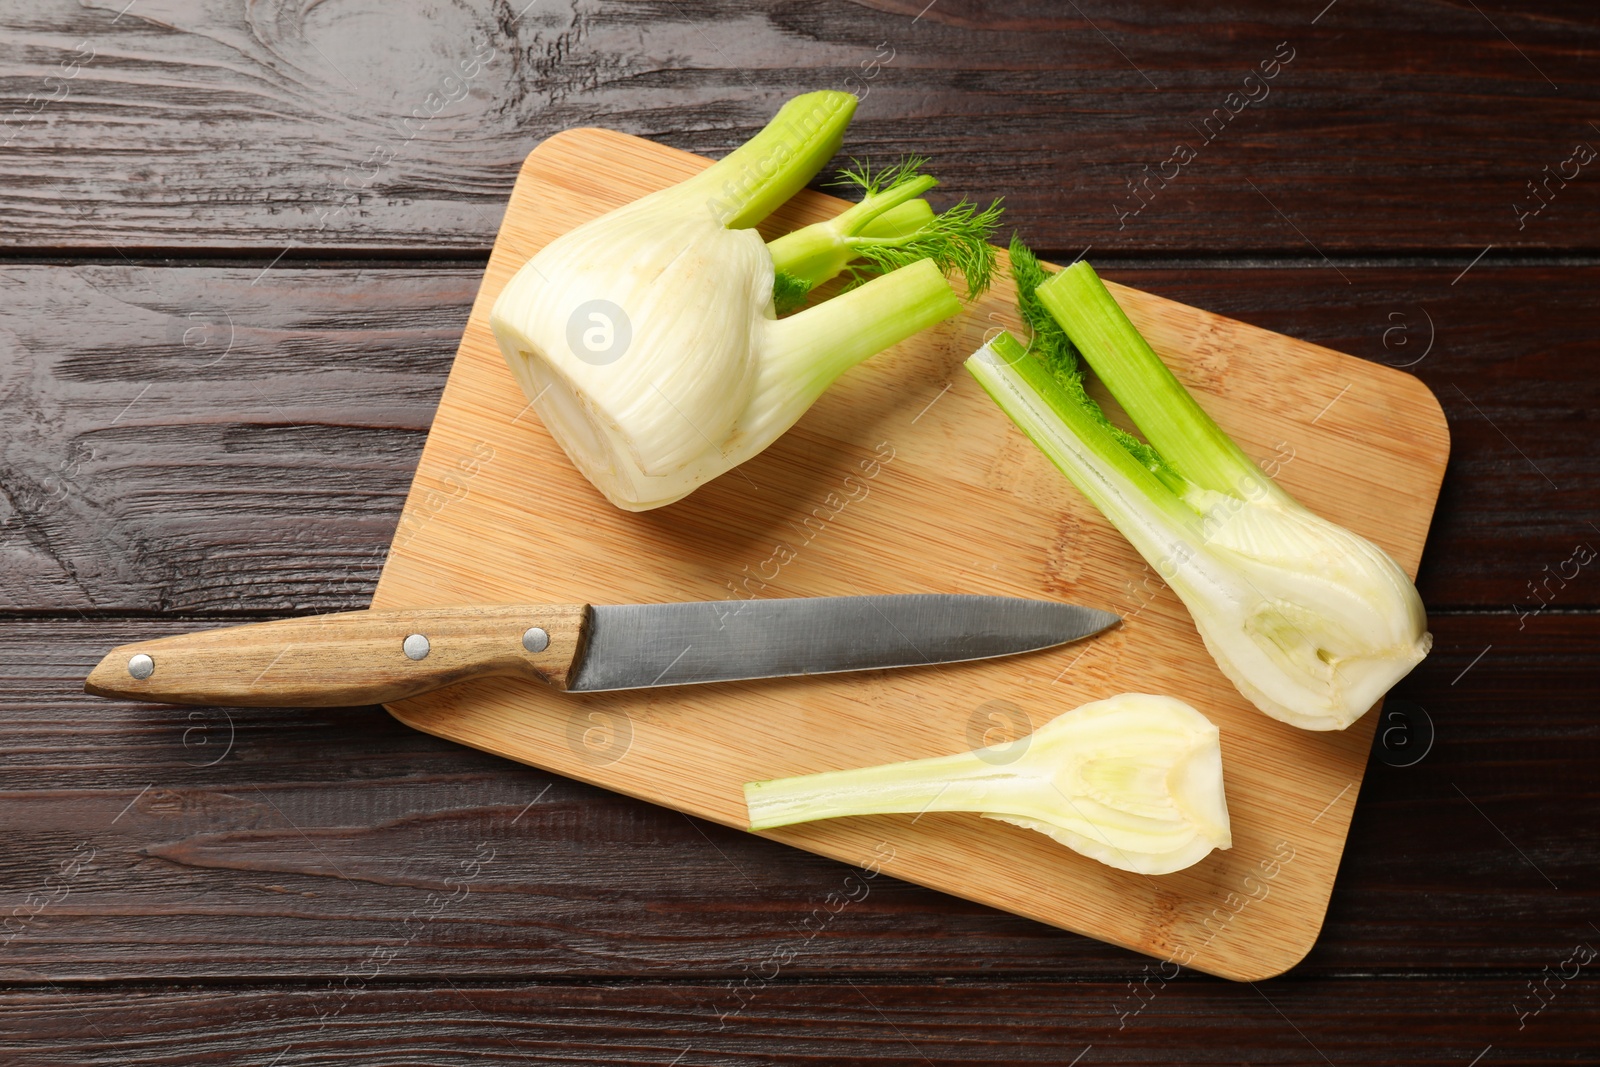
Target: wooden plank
x=292, y=844
x=215, y=439
x=358, y=126
x=139, y=472
x=1414, y=1022
x=1484, y=796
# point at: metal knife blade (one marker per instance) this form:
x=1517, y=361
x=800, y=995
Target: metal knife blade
x=639, y=646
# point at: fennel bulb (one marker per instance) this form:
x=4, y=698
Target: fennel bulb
x=1134, y=781
x=1311, y=622
x=647, y=339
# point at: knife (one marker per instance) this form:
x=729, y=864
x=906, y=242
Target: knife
x=371, y=657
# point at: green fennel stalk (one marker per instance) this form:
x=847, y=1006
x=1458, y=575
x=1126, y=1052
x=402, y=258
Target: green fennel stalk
x=890, y=228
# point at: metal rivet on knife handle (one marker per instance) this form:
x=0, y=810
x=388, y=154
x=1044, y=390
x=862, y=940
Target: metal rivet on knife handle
x=141, y=666
x=416, y=646
x=535, y=639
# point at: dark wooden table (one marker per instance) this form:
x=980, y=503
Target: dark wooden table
x=239, y=244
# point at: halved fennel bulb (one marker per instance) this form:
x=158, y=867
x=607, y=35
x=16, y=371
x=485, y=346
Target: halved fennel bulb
x=1134, y=781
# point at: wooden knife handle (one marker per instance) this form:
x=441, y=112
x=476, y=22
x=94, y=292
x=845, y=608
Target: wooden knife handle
x=354, y=657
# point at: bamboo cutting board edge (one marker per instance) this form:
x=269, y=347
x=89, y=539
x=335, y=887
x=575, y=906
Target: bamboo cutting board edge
x=483, y=452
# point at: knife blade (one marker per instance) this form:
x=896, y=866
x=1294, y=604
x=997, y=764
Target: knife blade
x=367, y=657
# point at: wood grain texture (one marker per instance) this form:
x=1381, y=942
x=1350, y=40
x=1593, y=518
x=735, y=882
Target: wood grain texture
x=213, y=440
x=351, y=657
x=140, y=476
x=223, y=441
x=349, y=125
x=1419, y=1022
x=236, y=843
x=864, y=496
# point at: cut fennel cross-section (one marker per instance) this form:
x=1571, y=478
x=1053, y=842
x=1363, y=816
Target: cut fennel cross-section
x=1134, y=781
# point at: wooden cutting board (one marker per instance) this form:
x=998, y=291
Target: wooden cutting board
x=906, y=478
